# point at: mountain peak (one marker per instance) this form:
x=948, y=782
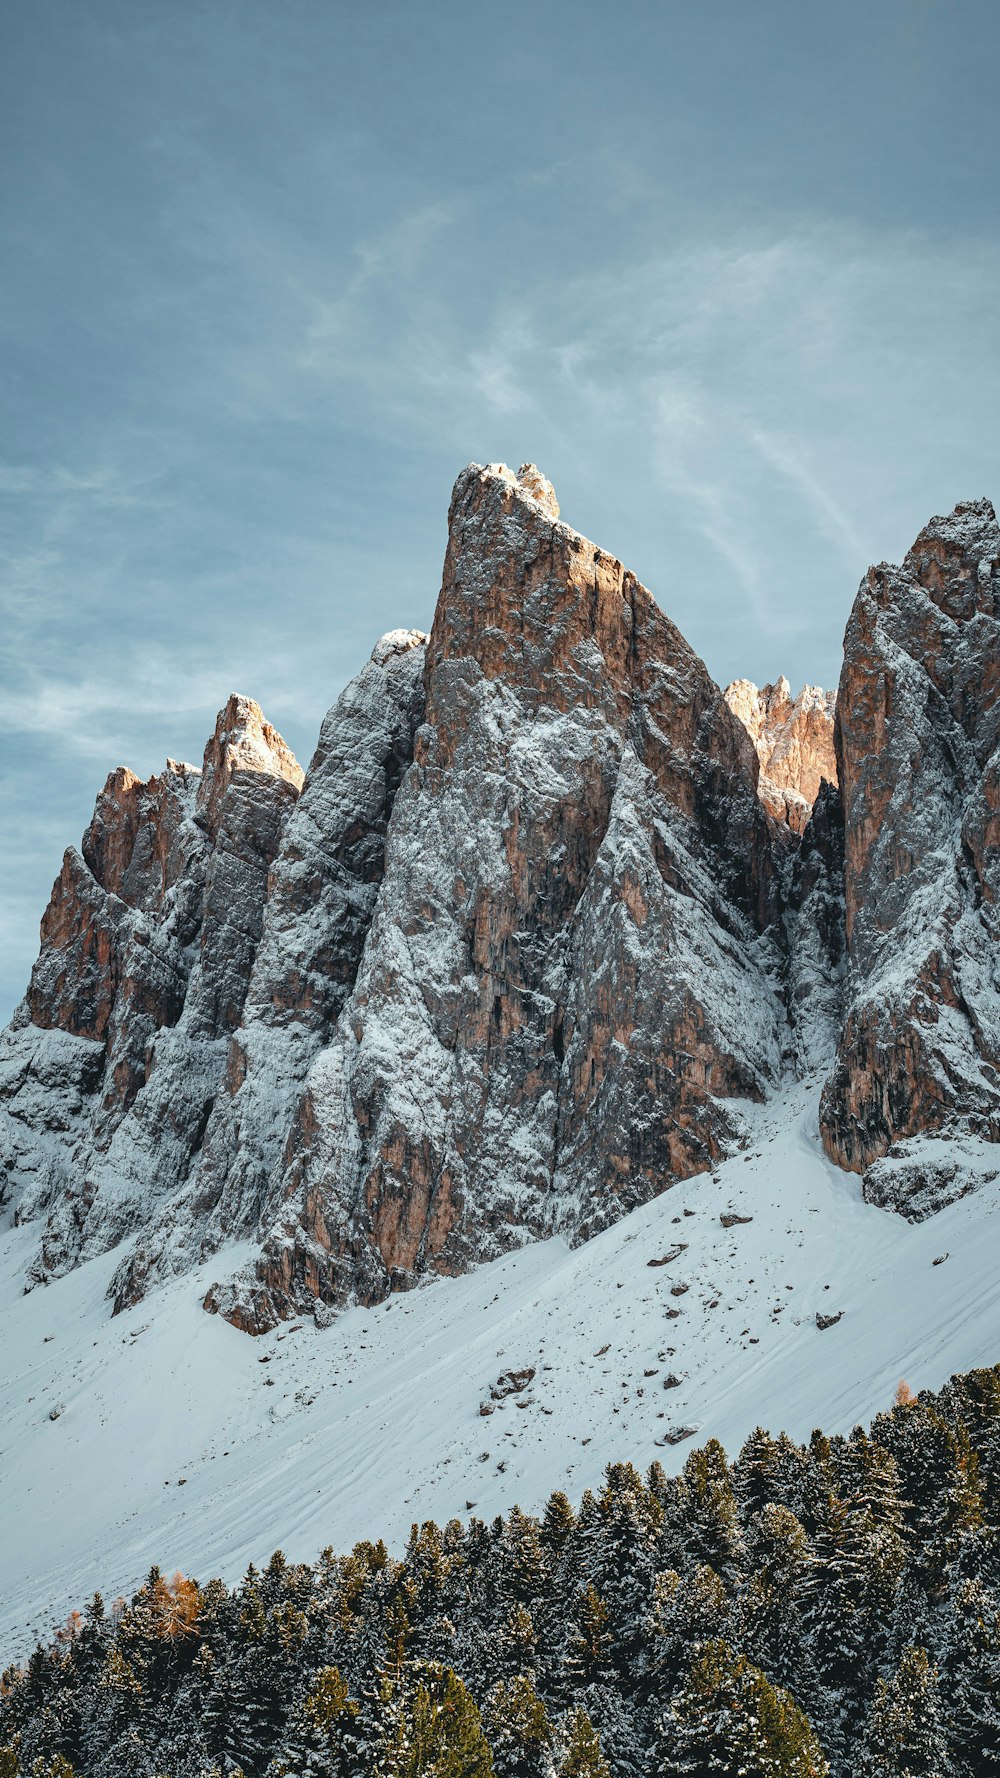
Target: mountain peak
x=515, y=956
x=793, y=738
x=243, y=742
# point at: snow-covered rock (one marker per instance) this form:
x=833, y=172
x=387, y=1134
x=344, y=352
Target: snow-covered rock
x=321, y=893
x=568, y=979
x=109, y=1070
x=918, y=746
x=547, y=915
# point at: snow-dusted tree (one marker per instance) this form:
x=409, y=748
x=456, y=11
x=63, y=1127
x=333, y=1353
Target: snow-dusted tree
x=904, y=1737
x=711, y=1521
x=971, y=1681
x=517, y=1726
x=686, y=1610
x=514, y=1644
x=772, y=1601
x=728, y=1721
x=588, y=1655
x=323, y=1739
x=582, y=1756
x=429, y=1727
x=557, y=1524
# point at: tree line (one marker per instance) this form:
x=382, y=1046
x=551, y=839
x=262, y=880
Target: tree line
x=804, y=1611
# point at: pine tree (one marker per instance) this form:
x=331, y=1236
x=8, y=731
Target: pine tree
x=632, y=1523
x=582, y=1756
x=939, y=1483
x=976, y=1396
x=557, y=1524
x=686, y=1611
x=588, y=1646
x=523, y=1559
x=711, y=1522
x=515, y=1644
x=323, y=1740
x=771, y=1603
x=425, y=1570
x=903, y=1736
x=755, y=1474
x=833, y=1597
x=728, y=1721
x=517, y=1727
x=430, y=1728
x=972, y=1681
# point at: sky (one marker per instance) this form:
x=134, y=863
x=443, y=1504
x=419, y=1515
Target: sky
x=273, y=273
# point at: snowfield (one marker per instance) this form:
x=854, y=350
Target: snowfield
x=164, y=1436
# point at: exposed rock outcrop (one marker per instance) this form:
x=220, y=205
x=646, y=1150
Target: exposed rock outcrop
x=321, y=895
x=565, y=982
x=815, y=937
x=794, y=742
x=546, y=908
x=147, y=947
x=918, y=748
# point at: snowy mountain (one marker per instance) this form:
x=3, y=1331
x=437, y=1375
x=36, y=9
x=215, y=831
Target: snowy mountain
x=557, y=960
x=177, y=1440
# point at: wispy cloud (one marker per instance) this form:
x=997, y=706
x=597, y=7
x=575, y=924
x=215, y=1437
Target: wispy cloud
x=239, y=471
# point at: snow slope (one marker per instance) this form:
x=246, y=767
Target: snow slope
x=183, y=1442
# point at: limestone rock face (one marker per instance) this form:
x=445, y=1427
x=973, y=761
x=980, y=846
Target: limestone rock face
x=147, y=945
x=566, y=980
x=918, y=748
x=321, y=892
x=794, y=742
x=814, y=932
x=533, y=482
x=546, y=909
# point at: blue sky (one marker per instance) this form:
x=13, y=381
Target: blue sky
x=274, y=272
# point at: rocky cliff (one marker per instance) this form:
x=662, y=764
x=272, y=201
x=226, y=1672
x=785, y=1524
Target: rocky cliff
x=566, y=986
x=794, y=742
x=110, y=1068
x=546, y=909
x=918, y=750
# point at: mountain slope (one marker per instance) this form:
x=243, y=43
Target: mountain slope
x=308, y=1437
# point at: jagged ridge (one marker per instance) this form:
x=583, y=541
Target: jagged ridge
x=548, y=907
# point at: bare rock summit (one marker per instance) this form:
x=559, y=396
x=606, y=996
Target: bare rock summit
x=545, y=912
x=794, y=742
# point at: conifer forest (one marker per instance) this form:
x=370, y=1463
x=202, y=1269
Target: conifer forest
x=802, y=1611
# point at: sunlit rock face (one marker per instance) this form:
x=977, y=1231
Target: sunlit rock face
x=794, y=742
x=565, y=983
x=918, y=727
x=321, y=894
x=110, y=1068
x=547, y=909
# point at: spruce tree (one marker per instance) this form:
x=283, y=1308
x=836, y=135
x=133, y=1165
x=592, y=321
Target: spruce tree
x=323, y=1739
x=728, y=1721
x=903, y=1736
x=517, y=1726
x=430, y=1728
x=588, y=1647
x=582, y=1756
x=686, y=1610
x=972, y=1681
x=772, y=1601
x=711, y=1522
